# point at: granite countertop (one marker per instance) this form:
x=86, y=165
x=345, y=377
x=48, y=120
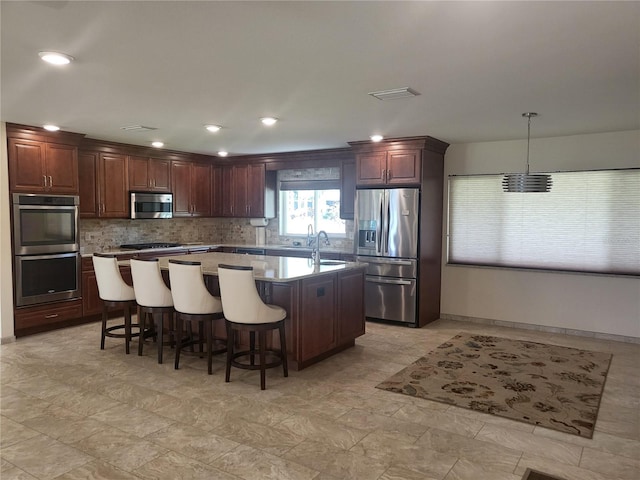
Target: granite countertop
x=188, y=246
x=265, y=267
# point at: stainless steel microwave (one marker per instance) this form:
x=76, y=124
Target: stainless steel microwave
x=151, y=205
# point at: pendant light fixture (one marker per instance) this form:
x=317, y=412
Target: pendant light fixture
x=526, y=182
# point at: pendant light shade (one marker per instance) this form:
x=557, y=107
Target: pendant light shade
x=526, y=182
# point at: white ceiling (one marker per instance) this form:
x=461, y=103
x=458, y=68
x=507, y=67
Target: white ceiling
x=177, y=65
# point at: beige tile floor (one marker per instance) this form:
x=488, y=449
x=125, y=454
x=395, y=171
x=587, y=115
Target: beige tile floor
x=71, y=411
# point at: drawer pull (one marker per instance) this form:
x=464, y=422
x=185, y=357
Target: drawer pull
x=51, y=315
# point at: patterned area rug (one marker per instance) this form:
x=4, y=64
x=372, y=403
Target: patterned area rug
x=547, y=385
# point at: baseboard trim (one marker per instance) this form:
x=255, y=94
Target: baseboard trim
x=542, y=328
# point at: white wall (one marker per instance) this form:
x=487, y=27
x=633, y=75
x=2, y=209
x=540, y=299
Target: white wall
x=6, y=282
x=596, y=303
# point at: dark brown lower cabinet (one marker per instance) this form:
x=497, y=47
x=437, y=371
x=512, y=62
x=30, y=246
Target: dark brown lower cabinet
x=39, y=318
x=350, y=305
x=318, y=325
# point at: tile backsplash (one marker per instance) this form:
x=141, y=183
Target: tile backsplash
x=99, y=235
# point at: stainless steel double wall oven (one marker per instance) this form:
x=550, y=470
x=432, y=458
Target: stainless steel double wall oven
x=46, y=248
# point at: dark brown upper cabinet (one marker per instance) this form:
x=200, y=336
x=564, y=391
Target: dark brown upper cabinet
x=347, y=190
x=36, y=167
x=149, y=174
x=248, y=191
x=191, y=186
x=394, y=167
x=104, y=189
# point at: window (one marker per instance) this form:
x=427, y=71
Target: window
x=300, y=208
x=589, y=222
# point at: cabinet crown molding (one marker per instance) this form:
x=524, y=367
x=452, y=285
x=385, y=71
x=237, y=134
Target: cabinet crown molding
x=38, y=134
x=402, y=143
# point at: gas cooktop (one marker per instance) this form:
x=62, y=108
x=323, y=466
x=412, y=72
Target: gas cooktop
x=144, y=246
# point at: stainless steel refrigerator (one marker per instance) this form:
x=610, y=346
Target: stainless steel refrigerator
x=386, y=238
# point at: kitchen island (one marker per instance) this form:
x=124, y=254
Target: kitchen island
x=324, y=303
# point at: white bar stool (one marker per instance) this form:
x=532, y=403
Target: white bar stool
x=154, y=300
x=244, y=310
x=114, y=292
x=193, y=303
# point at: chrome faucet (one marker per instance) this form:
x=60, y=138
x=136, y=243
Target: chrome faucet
x=316, y=251
x=309, y=235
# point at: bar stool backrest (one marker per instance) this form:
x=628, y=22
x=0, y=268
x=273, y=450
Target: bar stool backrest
x=111, y=286
x=241, y=302
x=148, y=284
x=190, y=294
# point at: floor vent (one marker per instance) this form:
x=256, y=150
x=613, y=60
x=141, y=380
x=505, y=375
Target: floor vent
x=536, y=475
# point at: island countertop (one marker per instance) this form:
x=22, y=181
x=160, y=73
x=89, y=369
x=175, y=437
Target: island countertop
x=266, y=268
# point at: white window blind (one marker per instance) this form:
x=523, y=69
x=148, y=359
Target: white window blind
x=589, y=222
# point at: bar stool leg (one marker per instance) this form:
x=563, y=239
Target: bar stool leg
x=127, y=328
x=252, y=347
x=104, y=327
x=160, y=336
x=209, y=334
x=178, y=340
x=262, y=338
x=142, y=317
x=230, y=343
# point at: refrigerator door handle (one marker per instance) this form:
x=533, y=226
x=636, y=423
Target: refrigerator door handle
x=380, y=229
x=387, y=220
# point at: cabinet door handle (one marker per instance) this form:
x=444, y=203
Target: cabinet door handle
x=50, y=181
x=44, y=180
x=388, y=175
x=51, y=315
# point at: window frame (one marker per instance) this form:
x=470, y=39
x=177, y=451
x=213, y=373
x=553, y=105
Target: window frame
x=307, y=185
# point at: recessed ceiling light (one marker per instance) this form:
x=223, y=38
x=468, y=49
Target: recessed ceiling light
x=268, y=121
x=376, y=138
x=213, y=128
x=56, y=58
x=223, y=153
x=51, y=128
x=157, y=144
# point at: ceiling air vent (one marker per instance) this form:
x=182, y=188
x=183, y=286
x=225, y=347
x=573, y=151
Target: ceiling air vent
x=137, y=128
x=394, y=93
